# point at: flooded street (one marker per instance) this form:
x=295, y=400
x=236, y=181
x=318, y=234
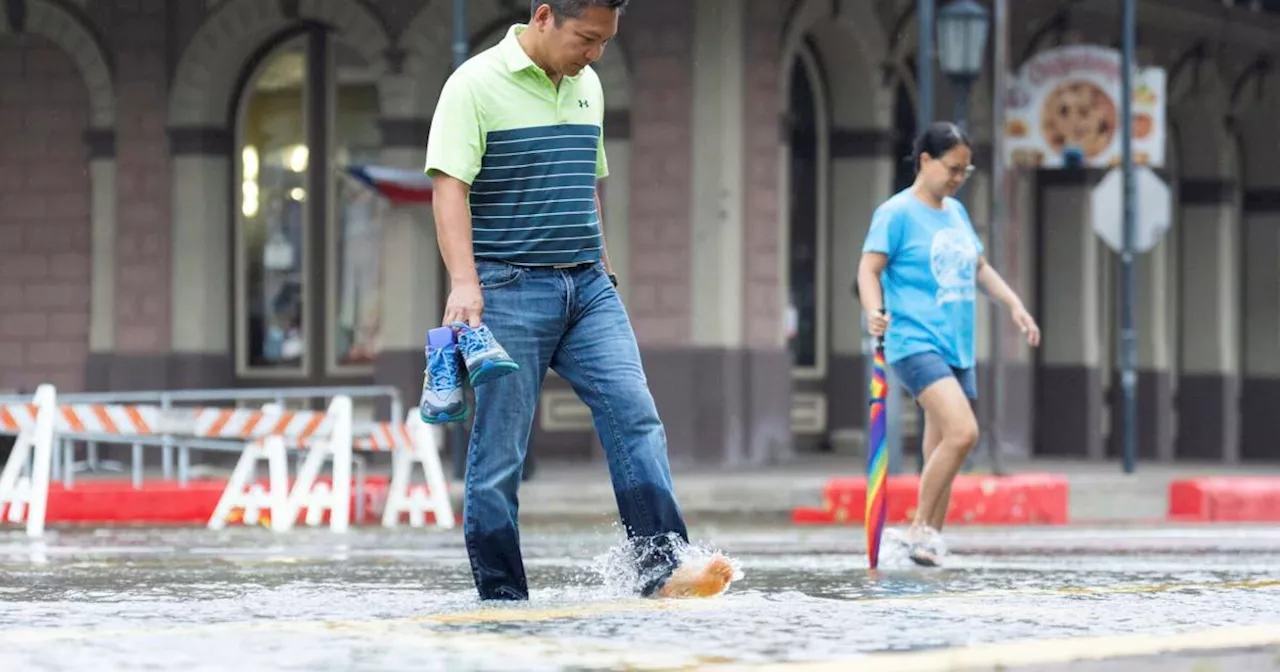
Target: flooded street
x=247, y=599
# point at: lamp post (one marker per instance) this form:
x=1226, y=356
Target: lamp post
x=963, y=27
x=962, y=47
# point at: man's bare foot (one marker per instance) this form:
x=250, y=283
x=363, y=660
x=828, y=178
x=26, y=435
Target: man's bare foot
x=707, y=580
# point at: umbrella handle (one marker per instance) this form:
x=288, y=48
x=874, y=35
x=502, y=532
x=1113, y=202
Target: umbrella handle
x=880, y=338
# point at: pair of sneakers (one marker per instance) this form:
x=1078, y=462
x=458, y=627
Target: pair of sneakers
x=450, y=351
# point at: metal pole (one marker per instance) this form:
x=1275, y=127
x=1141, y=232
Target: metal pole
x=460, y=48
x=924, y=64
x=1128, y=341
x=925, y=42
x=999, y=196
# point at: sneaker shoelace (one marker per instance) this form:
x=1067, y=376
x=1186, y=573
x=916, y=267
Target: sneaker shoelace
x=439, y=374
x=474, y=340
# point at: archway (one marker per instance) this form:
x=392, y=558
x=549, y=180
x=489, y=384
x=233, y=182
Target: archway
x=78, y=165
x=305, y=69
x=839, y=166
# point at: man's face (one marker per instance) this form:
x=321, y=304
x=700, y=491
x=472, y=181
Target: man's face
x=576, y=43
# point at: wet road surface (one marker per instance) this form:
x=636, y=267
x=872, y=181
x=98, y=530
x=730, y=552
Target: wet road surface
x=248, y=599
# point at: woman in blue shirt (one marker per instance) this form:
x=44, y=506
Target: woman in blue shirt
x=921, y=266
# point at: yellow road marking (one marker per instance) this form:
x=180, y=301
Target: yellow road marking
x=1037, y=652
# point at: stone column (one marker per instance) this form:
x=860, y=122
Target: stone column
x=717, y=234
x=660, y=40
x=102, y=302
x=1260, y=388
x=202, y=310
x=1068, y=406
x=1019, y=270
x=1209, y=375
x=862, y=172
x=412, y=286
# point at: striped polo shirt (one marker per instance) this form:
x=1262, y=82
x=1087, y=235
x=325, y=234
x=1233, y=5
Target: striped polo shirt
x=531, y=154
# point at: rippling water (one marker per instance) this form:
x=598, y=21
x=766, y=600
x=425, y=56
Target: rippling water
x=247, y=599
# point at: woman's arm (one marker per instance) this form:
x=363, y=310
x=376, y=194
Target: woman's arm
x=871, y=292
x=995, y=287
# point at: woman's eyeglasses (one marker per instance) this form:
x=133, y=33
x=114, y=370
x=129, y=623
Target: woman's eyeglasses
x=962, y=172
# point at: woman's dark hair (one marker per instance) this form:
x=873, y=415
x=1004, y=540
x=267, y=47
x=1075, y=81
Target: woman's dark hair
x=938, y=139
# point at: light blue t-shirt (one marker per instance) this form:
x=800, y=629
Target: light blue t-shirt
x=930, y=282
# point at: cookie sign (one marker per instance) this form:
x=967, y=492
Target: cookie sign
x=1063, y=108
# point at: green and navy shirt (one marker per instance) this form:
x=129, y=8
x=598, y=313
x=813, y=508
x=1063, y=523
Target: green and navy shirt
x=531, y=153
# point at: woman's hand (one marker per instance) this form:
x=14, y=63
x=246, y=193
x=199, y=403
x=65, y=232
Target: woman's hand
x=1028, y=326
x=877, y=323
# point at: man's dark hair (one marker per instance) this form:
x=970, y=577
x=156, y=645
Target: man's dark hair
x=573, y=9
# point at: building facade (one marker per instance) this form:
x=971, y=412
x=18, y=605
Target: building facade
x=173, y=212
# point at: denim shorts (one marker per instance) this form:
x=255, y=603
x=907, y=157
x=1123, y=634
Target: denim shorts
x=919, y=371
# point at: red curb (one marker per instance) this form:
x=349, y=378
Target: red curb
x=165, y=503
x=1023, y=499
x=1236, y=499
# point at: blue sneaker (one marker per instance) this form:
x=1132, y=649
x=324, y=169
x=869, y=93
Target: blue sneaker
x=442, y=399
x=485, y=359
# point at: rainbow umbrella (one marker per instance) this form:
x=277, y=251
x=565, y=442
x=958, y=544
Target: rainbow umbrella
x=877, y=458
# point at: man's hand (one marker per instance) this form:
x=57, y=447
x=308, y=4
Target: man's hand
x=465, y=304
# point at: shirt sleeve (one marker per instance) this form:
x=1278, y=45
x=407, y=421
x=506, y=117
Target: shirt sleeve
x=885, y=234
x=455, y=146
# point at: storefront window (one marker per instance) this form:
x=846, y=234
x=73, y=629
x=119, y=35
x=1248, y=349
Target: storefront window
x=273, y=232
x=308, y=265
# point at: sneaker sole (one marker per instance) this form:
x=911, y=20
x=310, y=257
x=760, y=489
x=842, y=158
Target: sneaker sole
x=443, y=417
x=491, y=371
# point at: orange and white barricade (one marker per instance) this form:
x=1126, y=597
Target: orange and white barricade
x=267, y=434
x=411, y=444
x=418, y=445
x=24, y=495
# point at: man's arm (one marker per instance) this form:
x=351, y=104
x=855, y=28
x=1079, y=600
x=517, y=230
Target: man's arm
x=455, y=150
x=453, y=228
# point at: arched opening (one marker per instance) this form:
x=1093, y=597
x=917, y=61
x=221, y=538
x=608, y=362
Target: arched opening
x=307, y=241
x=904, y=132
x=836, y=168
x=806, y=163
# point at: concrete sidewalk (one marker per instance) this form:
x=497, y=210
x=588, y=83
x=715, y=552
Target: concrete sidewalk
x=1099, y=491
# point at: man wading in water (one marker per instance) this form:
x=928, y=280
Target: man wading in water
x=515, y=150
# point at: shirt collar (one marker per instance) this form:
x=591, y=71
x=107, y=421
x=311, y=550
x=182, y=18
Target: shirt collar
x=514, y=54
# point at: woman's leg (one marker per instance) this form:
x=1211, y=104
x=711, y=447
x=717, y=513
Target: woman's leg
x=932, y=439
x=947, y=408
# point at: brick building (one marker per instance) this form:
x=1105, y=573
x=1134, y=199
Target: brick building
x=172, y=213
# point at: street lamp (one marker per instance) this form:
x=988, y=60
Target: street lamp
x=962, y=46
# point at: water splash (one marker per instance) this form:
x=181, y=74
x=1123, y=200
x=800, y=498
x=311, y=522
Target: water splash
x=627, y=566
x=895, y=549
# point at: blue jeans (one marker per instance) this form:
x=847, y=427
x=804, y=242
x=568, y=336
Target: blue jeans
x=573, y=321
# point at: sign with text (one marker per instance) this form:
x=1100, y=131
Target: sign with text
x=1063, y=109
